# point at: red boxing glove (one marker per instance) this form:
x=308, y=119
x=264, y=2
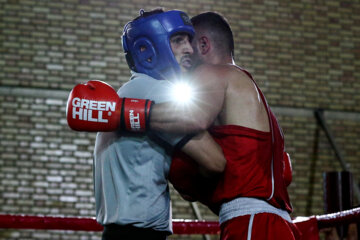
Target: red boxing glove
x=186, y=178
x=183, y=175
x=96, y=107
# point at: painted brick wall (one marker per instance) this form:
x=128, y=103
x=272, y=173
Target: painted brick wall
x=304, y=55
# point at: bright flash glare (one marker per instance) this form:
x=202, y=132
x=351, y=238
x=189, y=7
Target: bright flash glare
x=182, y=92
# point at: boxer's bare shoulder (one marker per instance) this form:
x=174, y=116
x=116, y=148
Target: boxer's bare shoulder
x=211, y=76
x=242, y=103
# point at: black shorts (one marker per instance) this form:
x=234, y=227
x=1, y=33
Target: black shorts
x=128, y=232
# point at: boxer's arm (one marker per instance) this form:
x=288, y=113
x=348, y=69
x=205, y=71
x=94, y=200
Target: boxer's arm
x=209, y=92
x=206, y=153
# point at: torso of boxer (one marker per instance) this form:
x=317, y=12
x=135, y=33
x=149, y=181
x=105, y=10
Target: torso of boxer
x=240, y=121
x=244, y=114
x=247, y=121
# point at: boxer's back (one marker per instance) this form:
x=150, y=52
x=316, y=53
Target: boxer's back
x=243, y=105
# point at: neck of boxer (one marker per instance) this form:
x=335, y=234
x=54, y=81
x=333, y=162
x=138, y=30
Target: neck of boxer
x=217, y=59
x=218, y=56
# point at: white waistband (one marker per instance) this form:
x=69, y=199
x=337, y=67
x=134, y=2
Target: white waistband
x=248, y=206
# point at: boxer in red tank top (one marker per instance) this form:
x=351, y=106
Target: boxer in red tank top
x=257, y=167
x=250, y=195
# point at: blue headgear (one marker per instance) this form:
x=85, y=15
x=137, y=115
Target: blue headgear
x=146, y=42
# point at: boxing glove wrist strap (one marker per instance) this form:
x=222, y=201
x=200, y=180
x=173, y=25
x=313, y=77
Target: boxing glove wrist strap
x=135, y=114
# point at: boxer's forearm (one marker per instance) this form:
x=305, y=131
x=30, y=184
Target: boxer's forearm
x=197, y=114
x=207, y=153
x=169, y=117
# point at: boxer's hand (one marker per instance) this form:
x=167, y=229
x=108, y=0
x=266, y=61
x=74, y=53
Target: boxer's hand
x=96, y=107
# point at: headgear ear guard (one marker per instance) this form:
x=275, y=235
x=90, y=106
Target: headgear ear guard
x=146, y=43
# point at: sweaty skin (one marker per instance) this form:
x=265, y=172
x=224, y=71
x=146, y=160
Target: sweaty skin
x=224, y=95
x=242, y=103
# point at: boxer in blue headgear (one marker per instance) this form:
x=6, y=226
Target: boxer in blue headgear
x=146, y=42
x=130, y=170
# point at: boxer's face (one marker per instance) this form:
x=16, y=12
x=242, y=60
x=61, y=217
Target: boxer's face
x=195, y=57
x=200, y=45
x=182, y=49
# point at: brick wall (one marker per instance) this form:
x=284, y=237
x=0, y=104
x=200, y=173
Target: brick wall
x=304, y=55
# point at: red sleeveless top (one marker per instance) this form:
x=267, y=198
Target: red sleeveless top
x=255, y=167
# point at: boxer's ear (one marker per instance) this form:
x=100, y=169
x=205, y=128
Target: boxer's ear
x=204, y=45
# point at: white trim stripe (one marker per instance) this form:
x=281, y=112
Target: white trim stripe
x=250, y=226
x=248, y=206
x=272, y=178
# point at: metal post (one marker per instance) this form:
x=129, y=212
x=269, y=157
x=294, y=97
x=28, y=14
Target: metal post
x=319, y=114
x=198, y=215
x=338, y=195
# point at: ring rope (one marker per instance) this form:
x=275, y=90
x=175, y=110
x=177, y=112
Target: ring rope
x=180, y=226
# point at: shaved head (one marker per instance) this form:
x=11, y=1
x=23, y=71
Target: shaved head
x=218, y=29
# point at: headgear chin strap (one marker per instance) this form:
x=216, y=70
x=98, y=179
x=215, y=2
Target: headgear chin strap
x=146, y=42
